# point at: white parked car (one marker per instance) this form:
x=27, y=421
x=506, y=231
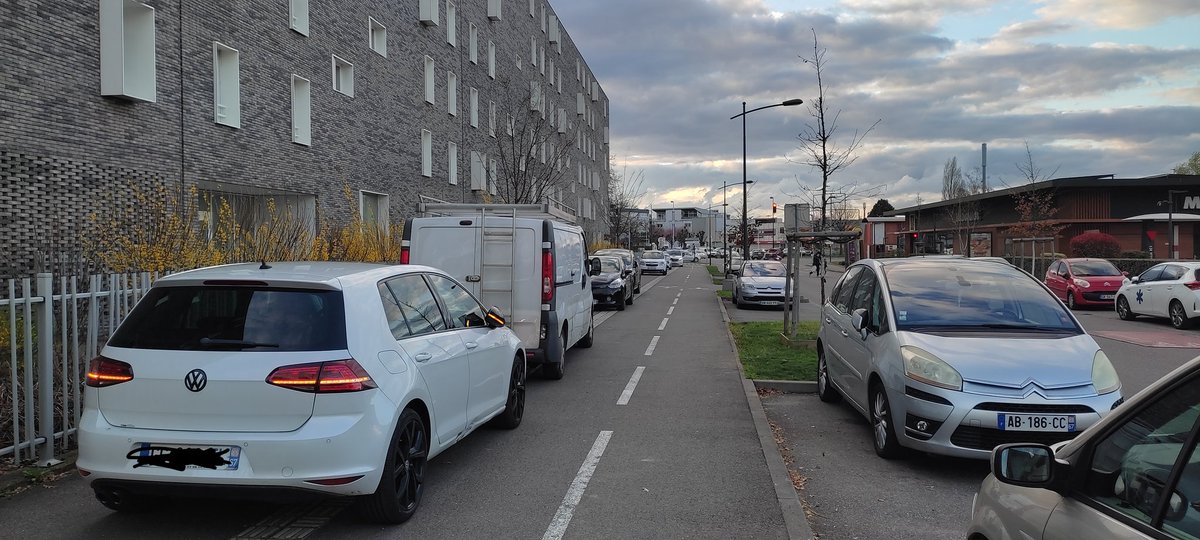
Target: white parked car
x=1170, y=289
x=326, y=378
x=676, y=256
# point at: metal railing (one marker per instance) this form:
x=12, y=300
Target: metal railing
x=54, y=327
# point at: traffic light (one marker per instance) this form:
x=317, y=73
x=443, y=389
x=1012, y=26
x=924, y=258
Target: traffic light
x=774, y=207
x=914, y=236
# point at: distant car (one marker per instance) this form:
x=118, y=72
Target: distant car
x=692, y=256
x=1084, y=282
x=611, y=285
x=1133, y=475
x=955, y=357
x=676, y=256
x=759, y=283
x=632, y=262
x=325, y=378
x=758, y=254
x=655, y=261
x=1170, y=289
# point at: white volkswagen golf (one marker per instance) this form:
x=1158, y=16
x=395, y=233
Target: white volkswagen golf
x=295, y=378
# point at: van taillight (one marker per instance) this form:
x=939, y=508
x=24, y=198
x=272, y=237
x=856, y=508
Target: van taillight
x=547, y=276
x=107, y=372
x=404, y=255
x=323, y=377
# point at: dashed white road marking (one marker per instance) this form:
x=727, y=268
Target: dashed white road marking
x=664, y=323
x=628, y=393
x=675, y=301
x=653, y=344
x=670, y=310
x=562, y=518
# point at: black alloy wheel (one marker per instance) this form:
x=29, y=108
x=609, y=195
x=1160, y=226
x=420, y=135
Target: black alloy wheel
x=514, y=408
x=399, y=492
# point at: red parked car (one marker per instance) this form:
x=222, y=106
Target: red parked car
x=1084, y=282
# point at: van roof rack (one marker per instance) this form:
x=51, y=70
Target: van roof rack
x=544, y=210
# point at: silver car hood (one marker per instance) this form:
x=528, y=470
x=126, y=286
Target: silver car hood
x=1013, y=363
x=763, y=281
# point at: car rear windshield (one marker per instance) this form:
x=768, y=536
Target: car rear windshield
x=235, y=318
x=1094, y=268
x=969, y=296
x=652, y=255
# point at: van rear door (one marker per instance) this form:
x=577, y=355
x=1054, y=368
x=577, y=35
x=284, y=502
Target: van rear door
x=510, y=276
x=449, y=244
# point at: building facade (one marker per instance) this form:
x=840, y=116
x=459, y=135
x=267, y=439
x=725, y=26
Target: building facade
x=688, y=226
x=326, y=109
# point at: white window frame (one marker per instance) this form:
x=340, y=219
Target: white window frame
x=452, y=162
x=452, y=93
x=511, y=125
x=474, y=107
x=127, y=60
x=491, y=59
x=473, y=41
x=430, y=82
x=227, y=85
x=478, y=172
x=342, y=73
x=301, y=110
x=494, y=10
x=377, y=36
x=554, y=35
x=451, y=23
x=428, y=12
x=491, y=176
x=426, y=153
x=532, y=8
x=298, y=16
x=492, y=118
x=382, y=207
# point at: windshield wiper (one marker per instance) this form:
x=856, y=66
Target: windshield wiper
x=234, y=343
x=1022, y=327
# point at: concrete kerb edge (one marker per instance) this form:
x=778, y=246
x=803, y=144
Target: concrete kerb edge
x=795, y=520
x=17, y=478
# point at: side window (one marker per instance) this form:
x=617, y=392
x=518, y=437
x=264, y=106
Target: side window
x=842, y=300
x=1172, y=272
x=412, y=302
x=462, y=308
x=1059, y=268
x=1131, y=469
x=878, y=310
x=861, y=298
x=1152, y=274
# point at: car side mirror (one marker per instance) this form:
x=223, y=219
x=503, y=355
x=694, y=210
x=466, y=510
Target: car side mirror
x=626, y=273
x=495, y=318
x=594, y=266
x=1026, y=465
x=860, y=320
x=1135, y=279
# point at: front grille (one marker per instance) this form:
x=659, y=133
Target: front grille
x=1035, y=408
x=1095, y=296
x=980, y=438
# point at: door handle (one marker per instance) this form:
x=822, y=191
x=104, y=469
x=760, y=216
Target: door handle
x=471, y=344
x=828, y=320
x=422, y=356
x=845, y=334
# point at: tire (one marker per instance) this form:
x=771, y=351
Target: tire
x=630, y=299
x=588, y=338
x=1071, y=300
x=403, y=481
x=882, y=425
x=555, y=370
x=621, y=302
x=514, y=407
x=1123, y=310
x=1179, y=317
x=825, y=389
x=735, y=299
x=638, y=289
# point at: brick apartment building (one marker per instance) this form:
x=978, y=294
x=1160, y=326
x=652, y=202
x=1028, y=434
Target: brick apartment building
x=294, y=101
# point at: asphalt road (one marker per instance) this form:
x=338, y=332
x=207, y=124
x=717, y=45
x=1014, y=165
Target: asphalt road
x=649, y=435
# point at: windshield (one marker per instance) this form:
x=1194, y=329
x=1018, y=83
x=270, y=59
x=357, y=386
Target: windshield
x=979, y=295
x=1094, y=268
x=764, y=269
x=652, y=255
x=609, y=265
x=675, y=252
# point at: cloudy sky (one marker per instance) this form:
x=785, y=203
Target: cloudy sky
x=1093, y=86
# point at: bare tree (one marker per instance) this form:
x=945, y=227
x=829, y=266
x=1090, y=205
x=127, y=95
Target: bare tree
x=963, y=212
x=953, y=185
x=818, y=143
x=625, y=193
x=1035, y=206
x=533, y=145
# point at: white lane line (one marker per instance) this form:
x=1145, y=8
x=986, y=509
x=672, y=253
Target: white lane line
x=675, y=301
x=628, y=393
x=670, y=310
x=562, y=518
x=678, y=294
x=653, y=344
x=664, y=323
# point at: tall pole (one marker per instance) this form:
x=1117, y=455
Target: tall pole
x=745, y=229
x=1171, y=222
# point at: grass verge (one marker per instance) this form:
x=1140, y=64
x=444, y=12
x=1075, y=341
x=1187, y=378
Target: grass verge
x=725, y=294
x=713, y=270
x=764, y=357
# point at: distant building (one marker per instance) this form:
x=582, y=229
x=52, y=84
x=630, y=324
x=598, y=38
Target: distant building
x=679, y=224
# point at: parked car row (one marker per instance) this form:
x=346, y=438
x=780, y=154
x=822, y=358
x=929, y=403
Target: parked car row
x=616, y=277
x=1169, y=290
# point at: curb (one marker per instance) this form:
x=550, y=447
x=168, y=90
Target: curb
x=17, y=478
x=794, y=518
x=791, y=387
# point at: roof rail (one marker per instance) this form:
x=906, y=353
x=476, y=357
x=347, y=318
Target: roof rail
x=544, y=210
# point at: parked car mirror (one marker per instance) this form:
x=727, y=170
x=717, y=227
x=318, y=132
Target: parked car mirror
x=495, y=318
x=626, y=272
x=1135, y=279
x=594, y=266
x=860, y=320
x=1024, y=464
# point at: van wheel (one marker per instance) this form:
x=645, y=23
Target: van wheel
x=403, y=481
x=586, y=342
x=554, y=370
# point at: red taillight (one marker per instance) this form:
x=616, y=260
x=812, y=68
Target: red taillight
x=323, y=377
x=107, y=372
x=547, y=276
x=404, y=255
x=1195, y=285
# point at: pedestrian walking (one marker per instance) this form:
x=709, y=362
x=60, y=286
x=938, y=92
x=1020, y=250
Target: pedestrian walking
x=816, y=263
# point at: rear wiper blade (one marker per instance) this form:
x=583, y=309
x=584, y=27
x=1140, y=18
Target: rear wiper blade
x=234, y=343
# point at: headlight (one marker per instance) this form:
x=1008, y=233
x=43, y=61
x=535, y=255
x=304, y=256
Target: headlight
x=1081, y=283
x=749, y=288
x=1104, y=377
x=922, y=366
x=616, y=283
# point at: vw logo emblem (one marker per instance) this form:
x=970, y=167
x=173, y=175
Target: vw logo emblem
x=195, y=380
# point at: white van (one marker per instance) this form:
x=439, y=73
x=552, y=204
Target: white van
x=525, y=259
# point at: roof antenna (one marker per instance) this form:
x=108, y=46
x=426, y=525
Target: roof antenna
x=264, y=266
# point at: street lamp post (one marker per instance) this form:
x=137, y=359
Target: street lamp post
x=1171, y=221
x=671, y=223
x=745, y=230
x=724, y=215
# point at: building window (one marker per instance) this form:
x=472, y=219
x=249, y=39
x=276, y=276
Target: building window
x=562, y=120
x=492, y=177
x=430, y=85
x=492, y=118
x=554, y=33
x=250, y=208
x=426, y=153
x=532, y=13
x=543, y=18
x=377, y=36
x=373, y=207
x=474, y=107
x=542, y=60
x=478, y=174
x=451, y=93
x=429, y=12
x=298, y=9
x=127, y=61
x=491, y=59
x=511, y=125
x=473, y=41
x=343, y=76
x=226, y=86
x=551, y=70
x=452, y=162
x=451, y=24
x=301, y=110
x=559, y=81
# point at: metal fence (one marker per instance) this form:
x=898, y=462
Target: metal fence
x=52, y=326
